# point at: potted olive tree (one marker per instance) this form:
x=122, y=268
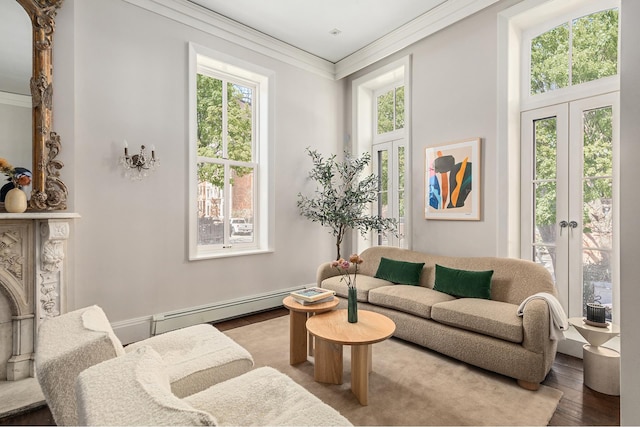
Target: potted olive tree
x=341, y=199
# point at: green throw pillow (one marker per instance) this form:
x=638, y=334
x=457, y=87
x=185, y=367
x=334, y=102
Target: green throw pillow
x=463, y=283
x=403, y=272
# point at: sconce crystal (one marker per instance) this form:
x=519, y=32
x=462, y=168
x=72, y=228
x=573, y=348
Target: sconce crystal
x=139, y=165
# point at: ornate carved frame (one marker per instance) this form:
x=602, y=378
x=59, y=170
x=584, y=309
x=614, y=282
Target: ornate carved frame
x=48, y=191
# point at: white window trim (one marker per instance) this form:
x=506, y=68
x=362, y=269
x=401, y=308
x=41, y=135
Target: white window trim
x=534, y=28
x=264, y=218
x=363, y=117
x=391, y=135
x=513, y=23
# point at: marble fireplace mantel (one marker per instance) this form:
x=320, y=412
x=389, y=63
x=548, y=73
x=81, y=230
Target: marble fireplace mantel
x=33, y=248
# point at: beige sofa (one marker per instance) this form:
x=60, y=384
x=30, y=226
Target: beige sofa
x=487, y=333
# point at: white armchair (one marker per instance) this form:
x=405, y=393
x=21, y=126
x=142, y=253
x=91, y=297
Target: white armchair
x=134, y=390
x=195, y=357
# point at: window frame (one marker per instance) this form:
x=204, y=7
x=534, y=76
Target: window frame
x=364, y=125
x=517, y=26
x=396, y=133
x=543, y=22
x=219, y=65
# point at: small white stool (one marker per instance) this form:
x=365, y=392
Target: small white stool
x=601, y=369
x=601, y=364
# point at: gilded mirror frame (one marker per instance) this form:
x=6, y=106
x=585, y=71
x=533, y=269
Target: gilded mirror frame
x=48, y=192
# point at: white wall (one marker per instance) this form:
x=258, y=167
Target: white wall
x=629, y=214
x=455, y=97
x=129, y=249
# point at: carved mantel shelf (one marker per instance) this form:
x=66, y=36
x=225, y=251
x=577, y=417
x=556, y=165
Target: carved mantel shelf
x=33, y=278
x=39, y=215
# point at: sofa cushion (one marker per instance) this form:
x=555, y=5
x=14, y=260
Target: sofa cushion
x=363, y=285
x=403, y=272
x=494, y=318
x=463, y=283
x=416, y=300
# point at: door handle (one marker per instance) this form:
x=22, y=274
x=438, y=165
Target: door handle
x=563, y=224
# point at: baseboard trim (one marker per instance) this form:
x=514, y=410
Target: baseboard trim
x=169, y=321
x=132, y=330
x=140, y=328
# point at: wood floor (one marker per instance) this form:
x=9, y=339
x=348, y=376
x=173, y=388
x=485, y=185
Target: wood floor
x=579, y=405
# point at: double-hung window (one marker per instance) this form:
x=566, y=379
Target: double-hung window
x=229, y=200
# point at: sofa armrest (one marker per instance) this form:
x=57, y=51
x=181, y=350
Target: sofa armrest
x=535, y=324
x=324, y=272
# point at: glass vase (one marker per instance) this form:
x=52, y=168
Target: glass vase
x=352, y=305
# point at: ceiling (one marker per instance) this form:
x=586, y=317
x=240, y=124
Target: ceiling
x=311, y=25
x=330, y=30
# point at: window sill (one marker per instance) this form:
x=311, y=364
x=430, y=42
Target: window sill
x=226, y=253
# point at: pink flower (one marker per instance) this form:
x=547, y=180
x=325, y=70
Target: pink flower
x=343, y=268
x=355, y=259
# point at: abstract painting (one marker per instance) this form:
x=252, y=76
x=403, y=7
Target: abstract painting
x=452, y=181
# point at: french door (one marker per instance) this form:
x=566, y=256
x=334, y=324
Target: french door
x=569, y=198
x=389, y=160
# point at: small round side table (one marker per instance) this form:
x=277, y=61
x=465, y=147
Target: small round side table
x=601, y=364
x=299, y=343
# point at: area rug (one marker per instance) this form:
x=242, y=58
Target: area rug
x=409, y=385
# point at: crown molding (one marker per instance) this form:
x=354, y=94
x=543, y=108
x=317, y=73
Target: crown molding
x=423, y=26
x=198, y=17
x=15, y=99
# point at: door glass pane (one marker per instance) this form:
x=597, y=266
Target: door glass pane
x=401, y=198
x=242, y=209
x=399, y=121
x=546, y=255
x=545, y=212
x=597, y=217
x=546, y=148
x=545, y=140
x=550, y=60
x=210, y=204
x=597, y=230
x=385, y=107
x=597, y=142
x=596, y=280
x=239, y=122
x=595, y=46
x=383, y=190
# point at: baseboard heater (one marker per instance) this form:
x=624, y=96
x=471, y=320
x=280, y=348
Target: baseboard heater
x=172, y=320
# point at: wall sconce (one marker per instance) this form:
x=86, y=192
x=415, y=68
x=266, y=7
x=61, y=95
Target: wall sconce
x=139, y=165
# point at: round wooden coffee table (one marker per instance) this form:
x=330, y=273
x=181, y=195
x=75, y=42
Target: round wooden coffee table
x=332, y=330
x=298, y=315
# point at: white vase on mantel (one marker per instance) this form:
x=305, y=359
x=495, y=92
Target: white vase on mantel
x=15, y=201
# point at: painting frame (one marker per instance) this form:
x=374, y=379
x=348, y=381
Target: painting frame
x=445, y=166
